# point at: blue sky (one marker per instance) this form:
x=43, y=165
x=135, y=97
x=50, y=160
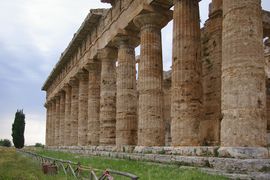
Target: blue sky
x=33, y=34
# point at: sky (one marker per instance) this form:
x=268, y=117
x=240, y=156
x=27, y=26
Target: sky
x=33, y=34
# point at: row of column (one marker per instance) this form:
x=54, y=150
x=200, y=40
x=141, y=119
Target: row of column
x=99, y=105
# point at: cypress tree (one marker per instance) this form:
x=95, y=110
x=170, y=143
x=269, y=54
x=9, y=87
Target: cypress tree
x=18, y=129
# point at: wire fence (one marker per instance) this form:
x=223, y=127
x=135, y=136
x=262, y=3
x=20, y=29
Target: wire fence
x=52, y=166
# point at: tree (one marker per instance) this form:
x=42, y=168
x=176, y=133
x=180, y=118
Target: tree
x=18, y=129
x=5, y=142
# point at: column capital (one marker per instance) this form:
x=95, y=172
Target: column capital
x=152, y=18
x=107, y=53
x=46, y=105
x=73, y=82
x=62, y=93
x=59, y=93
x=66, y=87
x=82, y=74
x=49, y=102
x=92, y=66
x=57, y=97
x=126, y=38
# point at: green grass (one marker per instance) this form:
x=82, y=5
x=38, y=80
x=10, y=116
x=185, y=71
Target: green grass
x=145, y=170
x=14, y=166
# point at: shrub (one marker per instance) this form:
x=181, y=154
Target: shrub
x=39, y=145
x=5, y=142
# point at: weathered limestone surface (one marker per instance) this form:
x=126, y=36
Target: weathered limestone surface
x=67, y=134
x=107, y=96
x=53, y=123
x=267, y=80
x=94, y=70
x=211, y=43
x=62, y=118
x=167, y=83
x=57, y=121
x=186, y=74
x=74, y=83
x=268, y=103
x=83, y=107
x=47, y=123
x=216, y=6
x=151, y=131
x=126, y=99
x=243, y=76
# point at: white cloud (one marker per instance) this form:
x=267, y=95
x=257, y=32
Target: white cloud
x=35, y=129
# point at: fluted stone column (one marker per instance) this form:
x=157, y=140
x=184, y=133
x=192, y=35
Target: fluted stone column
x=107, y=96
x=67, y=134
x=126, y=99
x=186, y=102
x=83, y=109
x=93, y=103
x=74, y=83
x=151, y=127
x=57, y=121
x=243, y=78
x=53, y=122
x=62, y=119
x=48, y=132
x=211, y=46
x=47, y=124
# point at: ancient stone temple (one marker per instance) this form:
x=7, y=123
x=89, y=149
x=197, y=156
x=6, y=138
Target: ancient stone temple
x=216, y=95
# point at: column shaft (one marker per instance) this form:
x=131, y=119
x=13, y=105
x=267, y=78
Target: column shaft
x=47, y=125
x=186, y=74
x=57, y=121
x=53, y=123
x=126, y=99
x=211, y=76
x=107, y=96
x=67, y=141
x=93, y=103
x=62, y=119
x=83, y=108
x=74, y=111
x=151, y=127
x=243, y=78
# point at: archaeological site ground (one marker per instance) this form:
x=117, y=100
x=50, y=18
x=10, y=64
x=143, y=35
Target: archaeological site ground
x=211, y=110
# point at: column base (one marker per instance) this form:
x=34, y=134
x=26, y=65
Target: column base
x=244, y=152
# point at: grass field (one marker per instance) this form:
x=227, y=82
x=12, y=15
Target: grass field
x=14, y=166
x=146, y=171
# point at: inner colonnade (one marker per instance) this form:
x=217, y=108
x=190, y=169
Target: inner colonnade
x=215, y=94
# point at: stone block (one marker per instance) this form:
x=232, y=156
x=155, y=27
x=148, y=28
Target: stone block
x=244, y=152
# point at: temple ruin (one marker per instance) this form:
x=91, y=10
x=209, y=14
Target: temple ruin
x=217, y=93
